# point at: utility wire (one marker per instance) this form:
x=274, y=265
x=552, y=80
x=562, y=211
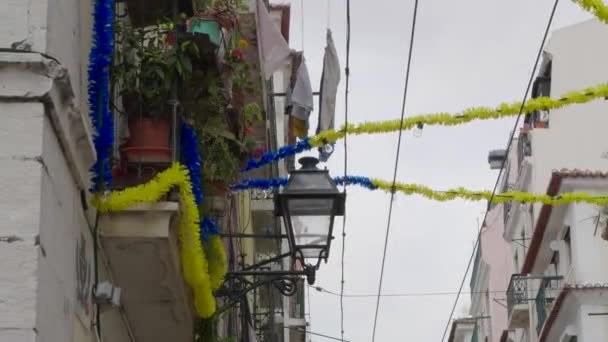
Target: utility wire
x=420, y=294
x=390, y=210
x=347, y=73
x=530, y=81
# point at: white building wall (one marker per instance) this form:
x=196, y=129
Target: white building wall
x=573, y=139
x=588, y=248
x=45, y=153
x=592, y=328
x=20, y=145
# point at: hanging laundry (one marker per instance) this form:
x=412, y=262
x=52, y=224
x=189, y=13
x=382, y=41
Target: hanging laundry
x=275, y=50
x=330, y=78
x=300, y=100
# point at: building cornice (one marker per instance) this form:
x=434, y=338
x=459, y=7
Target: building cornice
x=34, y=77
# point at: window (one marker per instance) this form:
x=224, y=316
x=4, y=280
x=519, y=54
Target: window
x=516, y=260
x=568, y=244
x=555, y=262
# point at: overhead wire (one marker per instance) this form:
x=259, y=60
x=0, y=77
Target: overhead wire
x=477, y=240
x=347, y=76
x=390, y=210
x=420, y=294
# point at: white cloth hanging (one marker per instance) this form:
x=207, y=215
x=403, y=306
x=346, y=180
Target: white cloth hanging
x=275, y=50
x=301, y=98
x=330, y=79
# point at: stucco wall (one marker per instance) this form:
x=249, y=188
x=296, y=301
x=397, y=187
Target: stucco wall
x=20, y=146
x=575, y=137
x=588, y=248
x=496, y=252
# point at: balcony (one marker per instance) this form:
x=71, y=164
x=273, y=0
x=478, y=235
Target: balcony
x=475, y=337
x=141, y=247
x=548, y=291
x=517, y=302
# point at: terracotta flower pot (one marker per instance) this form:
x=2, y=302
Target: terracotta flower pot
x=148, y=141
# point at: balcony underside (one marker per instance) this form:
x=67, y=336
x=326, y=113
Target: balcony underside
x=519, y=317
x=142, y=250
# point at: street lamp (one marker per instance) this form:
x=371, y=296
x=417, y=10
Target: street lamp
x=309, y=204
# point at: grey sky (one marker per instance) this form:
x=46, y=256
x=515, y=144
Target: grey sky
x=467, y=53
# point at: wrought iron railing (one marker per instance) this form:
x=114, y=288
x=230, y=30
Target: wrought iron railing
x=547, y=293
x=517, y=292
x=475, y=337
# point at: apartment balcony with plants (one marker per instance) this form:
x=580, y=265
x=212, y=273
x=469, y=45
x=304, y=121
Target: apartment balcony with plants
x=187, y=106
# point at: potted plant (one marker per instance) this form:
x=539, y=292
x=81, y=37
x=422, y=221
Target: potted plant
x=148, y=65
x=220, y=147
x=213, y=15
x=239, y=73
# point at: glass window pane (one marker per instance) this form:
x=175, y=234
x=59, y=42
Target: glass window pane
x=310, y=230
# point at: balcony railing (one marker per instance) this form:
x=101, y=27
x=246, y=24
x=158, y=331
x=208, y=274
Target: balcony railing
x=517, y=293
x=544, y=299
x=475, y=337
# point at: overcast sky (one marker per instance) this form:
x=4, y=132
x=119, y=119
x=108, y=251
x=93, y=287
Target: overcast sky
x=466, y=53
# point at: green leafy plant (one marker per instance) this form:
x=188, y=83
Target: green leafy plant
x=148, y=64
x=252, y=114
x=221, y=149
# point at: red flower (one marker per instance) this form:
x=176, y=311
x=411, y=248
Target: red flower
x=170, y=38
x=237, y=54
x=258, y=151
x=248, y=130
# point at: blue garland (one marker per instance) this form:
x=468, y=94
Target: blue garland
x=356, y=180
x=275, y=183
x=208, y=228
x=100, y=59
x=284, y=152
x=191, y=157
x=192, y=160
x=262, y=184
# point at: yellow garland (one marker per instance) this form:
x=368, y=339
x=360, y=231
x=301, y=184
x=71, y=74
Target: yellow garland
x=194, y=261
x=523, y=197
x=217, y=269
x=471, y=114
x=596, y=6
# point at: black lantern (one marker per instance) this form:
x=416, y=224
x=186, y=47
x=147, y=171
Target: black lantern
x=308, y=204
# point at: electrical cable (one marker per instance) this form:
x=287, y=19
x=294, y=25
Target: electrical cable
x=390, y=210
x=420, y=294
x=477, y=240
x=347, y=74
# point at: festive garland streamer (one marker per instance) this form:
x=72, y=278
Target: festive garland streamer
x=451, y=194
x=597, y=7
x=192, y=159
x=284, y=152
x=194, y=262
x=100, y=59
x=218, y=268
x=443, y=119
x=468, y=115
x=262, y=184
x=208, y=230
